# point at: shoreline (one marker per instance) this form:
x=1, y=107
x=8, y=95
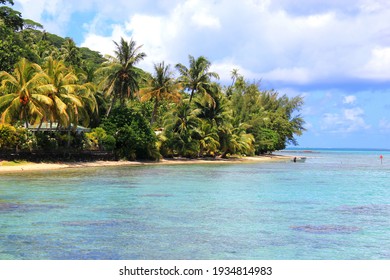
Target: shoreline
x=31, y=166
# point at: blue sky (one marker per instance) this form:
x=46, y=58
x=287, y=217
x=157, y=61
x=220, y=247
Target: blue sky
x=334, y=53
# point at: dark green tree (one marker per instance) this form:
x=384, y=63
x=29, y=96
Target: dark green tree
x=134, y=137
x=120, y=77
x=161, y=86
x=196, y=78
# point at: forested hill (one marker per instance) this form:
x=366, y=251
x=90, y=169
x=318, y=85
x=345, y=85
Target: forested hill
x=26, y=38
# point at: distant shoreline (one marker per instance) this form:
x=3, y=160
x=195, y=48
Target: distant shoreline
x=30, y=166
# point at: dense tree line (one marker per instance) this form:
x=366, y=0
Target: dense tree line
x=182, y=110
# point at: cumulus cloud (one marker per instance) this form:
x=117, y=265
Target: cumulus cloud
x=378, y=65
x=350, y=120
x=349, y=99
x=279, y=41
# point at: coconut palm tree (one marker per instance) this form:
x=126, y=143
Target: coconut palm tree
x=180, y=128
x=120, y=77
x=64, y=83
x=217, y=112
x=208, y=138
x=73, y=102
x=197, y=78
x=235, y=140
x=24, y=94
x=162, y=86
x=81, y=112
x=70, y=54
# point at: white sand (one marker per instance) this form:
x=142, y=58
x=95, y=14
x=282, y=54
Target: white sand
x=52, y=166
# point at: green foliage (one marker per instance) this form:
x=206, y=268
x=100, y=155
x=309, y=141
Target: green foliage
x=180, y=130
x=11, y=48
x=47, y=141
x=98, y=139
x=18, y=138
x=11, y=18
x=25, y=139
x=272, y=119
x=134, y=137
x=120, y=79
x=90, y=57
x=7, y=136
x=197, y=77
x=47, y=79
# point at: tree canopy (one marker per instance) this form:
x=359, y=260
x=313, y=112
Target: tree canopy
x=48, y=81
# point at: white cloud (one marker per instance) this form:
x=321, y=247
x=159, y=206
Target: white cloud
x=350, y=120
x=53, y=14
x=349, y=99
x=315, y=42
x=297, y=75
x=378, y=65
x=105, y=44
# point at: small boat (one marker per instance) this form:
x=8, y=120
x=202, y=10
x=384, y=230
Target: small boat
x=298, y=159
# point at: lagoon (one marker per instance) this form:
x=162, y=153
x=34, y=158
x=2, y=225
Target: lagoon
x=336, y=205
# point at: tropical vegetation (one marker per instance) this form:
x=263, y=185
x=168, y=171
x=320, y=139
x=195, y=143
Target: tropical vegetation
x=49, y=88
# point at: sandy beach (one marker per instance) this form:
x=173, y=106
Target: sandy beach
x=30, y=166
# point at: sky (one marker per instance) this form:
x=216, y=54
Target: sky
x=336, y=54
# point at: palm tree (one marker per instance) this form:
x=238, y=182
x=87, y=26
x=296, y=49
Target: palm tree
x=120, y=76
x=235, y=140
x=162, y=86
x=81, y=112
x=196, y=78
x=209, y=139
x=70, y=53
x=217, y=112
x=64, y=87
x=72, y=102
x=180, y=128
x=24, y=95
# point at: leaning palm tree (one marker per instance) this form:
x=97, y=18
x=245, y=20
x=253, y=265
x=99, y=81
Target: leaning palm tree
x=162, y=86
x=81, y=112
x=197, y=78
x=120, y=77
x=24, y=94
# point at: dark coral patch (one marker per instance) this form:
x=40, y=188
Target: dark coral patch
x=325, y=229
x=371, y=209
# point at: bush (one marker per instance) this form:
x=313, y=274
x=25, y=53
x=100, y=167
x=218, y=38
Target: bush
x=134, y=137
x=8, y=137
x=25, y=139
x=98, y=139
x=18, y=138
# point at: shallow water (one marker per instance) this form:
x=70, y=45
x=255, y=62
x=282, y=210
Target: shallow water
x=336, y=205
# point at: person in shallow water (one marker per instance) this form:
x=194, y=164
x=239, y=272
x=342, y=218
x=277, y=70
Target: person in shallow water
x=295, y=159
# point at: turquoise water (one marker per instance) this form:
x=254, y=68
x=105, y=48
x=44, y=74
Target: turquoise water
x=336, y=205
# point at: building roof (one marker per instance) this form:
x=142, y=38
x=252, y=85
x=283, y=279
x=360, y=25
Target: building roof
x=46, y=127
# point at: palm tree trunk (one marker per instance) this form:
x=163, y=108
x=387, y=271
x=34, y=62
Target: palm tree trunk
x=25, y=116
x=40, y=124
x=154, y=113
x=192, y=94
x=111, y=105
